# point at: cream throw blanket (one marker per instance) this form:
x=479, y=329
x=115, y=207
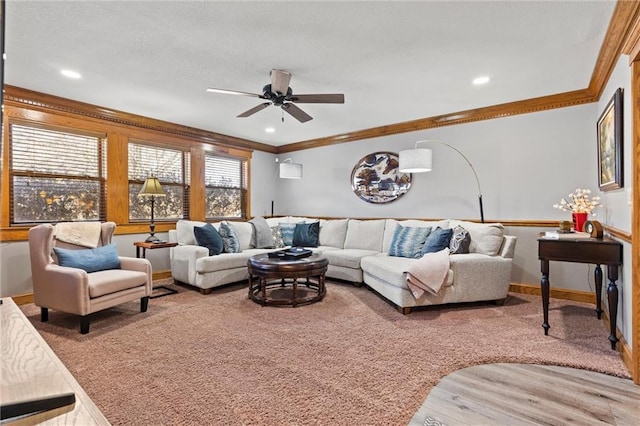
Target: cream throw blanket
x=85, y=234
x=428, y=273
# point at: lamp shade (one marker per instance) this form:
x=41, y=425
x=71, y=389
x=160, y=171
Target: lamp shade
x=152, y=187
x=290, y=171
x=416, y=160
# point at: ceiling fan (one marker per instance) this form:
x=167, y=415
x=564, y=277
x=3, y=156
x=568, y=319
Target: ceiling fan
x=279, y=93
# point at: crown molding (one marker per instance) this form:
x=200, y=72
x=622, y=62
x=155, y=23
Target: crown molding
x=19, y=97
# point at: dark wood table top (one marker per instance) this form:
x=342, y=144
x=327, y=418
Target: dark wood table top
x=264, y=263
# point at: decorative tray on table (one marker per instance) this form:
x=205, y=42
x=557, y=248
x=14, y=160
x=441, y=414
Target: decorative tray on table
x=291, y=253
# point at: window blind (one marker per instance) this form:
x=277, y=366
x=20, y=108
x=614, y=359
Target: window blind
x=56, y=175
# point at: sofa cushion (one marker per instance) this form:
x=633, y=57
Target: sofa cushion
x=277, y=237
x=207, y=236
x=333, y=232
x=390, y=228
x=89, y=260
x=244, y=231
x=364, y=234
x=262, y=236
x=486, y=238
x=408, y=241
x=111, y=281
x=347, y=258
x=460, y=240
x=392, y=269
x=229, y=238
x=184, y=232
x=306, y=234
x=437, y=240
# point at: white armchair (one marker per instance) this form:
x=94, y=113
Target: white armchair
x=76, y=291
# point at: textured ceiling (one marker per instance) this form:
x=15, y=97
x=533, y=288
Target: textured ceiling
x=394, y=61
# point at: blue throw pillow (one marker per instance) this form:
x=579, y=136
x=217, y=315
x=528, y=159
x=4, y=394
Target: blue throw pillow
x=91, y=260
x=437, y=240
x=207, y=236
x=286, y=230
x=230, y=240
x=408, y=241
x=306, y=234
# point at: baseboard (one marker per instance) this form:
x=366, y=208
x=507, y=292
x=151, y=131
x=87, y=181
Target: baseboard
x=585, y=297
x=556, y=293
x=23, y=299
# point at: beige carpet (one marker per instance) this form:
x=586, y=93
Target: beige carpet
x=351, y=359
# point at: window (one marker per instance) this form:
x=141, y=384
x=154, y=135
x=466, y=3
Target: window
x=171, y=167
x=226, y=187
x=55, y=175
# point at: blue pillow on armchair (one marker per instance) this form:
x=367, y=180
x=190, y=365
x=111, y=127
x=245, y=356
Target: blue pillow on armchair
x=90, y=260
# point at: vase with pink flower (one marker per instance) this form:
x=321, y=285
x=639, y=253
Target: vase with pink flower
x=581, y=204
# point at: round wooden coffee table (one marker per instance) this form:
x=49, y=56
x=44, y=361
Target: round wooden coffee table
x=274, y=281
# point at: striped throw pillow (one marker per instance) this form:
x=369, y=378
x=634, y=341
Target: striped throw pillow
x=408, y=241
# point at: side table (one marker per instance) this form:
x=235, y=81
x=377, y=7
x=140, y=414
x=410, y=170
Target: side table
x=603, y=251
x=144, y=246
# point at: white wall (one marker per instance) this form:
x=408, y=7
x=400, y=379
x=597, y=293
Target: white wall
x=525, y=164
x=617, y=211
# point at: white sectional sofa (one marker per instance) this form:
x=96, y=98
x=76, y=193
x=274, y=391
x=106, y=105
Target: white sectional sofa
x=358, y=251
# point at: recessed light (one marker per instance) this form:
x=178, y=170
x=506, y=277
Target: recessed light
x=71, y=74
x=270, y=130
x=481, y=80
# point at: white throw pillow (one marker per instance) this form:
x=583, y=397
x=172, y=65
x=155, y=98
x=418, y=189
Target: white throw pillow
x=364, y=234
x=486, y=238
x=333, y=232
x=245, y=234
x=184, y=231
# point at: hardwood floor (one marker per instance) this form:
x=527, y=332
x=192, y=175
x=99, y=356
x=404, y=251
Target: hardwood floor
x=524, y=394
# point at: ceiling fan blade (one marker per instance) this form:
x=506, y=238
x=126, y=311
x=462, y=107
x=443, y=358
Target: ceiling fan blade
x=280, y=81
x=324, y=98
x=254, y=110
x=297, y=113
x=233, y=92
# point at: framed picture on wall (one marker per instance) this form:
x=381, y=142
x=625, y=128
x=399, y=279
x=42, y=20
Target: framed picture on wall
x=610, y=144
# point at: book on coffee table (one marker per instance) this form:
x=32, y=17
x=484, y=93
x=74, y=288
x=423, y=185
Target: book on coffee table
x=291, y=253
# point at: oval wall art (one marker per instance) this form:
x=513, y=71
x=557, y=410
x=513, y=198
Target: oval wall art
x=376, y=179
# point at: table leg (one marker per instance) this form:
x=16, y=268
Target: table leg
x=612, y=293
x=263, y=289
x=597, y=273
x=544, y=287
x=295, y=288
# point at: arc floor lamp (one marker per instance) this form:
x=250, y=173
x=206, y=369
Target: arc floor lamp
x=418, y=160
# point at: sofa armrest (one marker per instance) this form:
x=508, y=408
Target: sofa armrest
x=183, y=262
x=508, y=247
x=70, y=292
x=173, y=236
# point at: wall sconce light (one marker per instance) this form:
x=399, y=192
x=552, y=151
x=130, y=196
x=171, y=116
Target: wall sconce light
x=289, y=170
x=153, y=189
x=418, y=160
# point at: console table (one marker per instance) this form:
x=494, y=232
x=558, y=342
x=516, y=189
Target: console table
x=583, y=250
